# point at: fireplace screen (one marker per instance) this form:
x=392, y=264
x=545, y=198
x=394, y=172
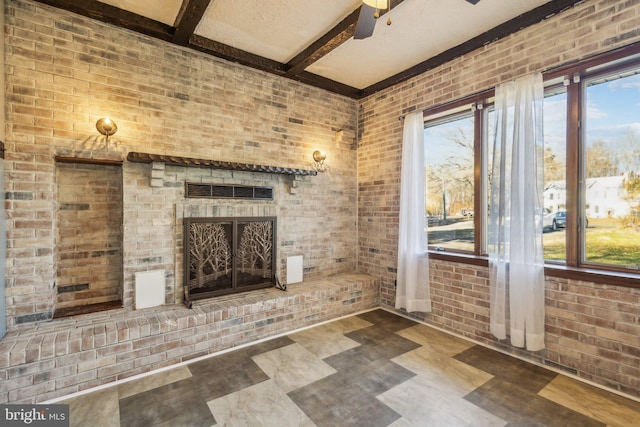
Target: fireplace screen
x=228, y=255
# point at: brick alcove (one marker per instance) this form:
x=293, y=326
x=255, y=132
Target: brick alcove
x=89, y=254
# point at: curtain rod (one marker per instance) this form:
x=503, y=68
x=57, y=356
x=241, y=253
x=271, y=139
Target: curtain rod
x=474, y=97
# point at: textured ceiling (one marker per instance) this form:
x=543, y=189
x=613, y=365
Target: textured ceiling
x=420, y=30
x=312, y=41
x=278, y=31
x=164, y=11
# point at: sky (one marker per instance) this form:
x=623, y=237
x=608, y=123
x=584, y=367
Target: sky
x=613, y=109
x=438, y=145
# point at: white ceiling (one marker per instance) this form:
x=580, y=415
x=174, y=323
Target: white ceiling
x=164, y=11
x=280, y=29
x=420, y=30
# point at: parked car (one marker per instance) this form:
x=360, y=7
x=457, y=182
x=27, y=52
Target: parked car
x=561, y=219
x=554, y=220
x=550, y=222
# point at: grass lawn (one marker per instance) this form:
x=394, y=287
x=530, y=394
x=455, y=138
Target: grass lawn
x=607, y=243
x=554, y=245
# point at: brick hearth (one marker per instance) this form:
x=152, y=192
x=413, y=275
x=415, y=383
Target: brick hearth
x=52, y=359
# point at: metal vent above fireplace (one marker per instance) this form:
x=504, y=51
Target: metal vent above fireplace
x=216, y=191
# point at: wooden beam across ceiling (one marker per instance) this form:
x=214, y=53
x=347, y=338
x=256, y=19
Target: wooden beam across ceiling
x=325, y=44
x=240, y=56
x=191, y=12
x=115, y=16
x=233, y=54
x=327, y=84
x=333, y=38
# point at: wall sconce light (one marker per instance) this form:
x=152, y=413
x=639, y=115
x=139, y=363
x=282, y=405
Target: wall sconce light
x=106, y=127
x=319, y=157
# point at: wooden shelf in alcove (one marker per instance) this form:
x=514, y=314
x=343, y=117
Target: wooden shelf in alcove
x=86, y=160
x=215, y=164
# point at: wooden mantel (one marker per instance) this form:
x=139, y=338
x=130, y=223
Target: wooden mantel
x=215, y=164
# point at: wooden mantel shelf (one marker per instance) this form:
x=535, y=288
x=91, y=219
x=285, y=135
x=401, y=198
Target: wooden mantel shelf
x=215, y=164
x=91, y=161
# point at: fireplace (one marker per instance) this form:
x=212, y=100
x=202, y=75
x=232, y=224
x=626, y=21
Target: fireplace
x=224, y=256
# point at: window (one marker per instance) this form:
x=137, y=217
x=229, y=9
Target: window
x=555, y=168
x=592, y=167
x=611, y=159
x=449, y=160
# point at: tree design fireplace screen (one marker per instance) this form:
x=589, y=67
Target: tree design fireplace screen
x=228, y=255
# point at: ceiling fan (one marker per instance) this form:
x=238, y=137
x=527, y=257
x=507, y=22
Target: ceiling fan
x=370, y=12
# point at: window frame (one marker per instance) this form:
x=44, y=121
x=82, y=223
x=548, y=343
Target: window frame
x=454, y=111
x=572, y=77
x=577, y=144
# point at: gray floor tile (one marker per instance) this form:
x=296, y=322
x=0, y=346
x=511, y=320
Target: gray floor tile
x=528, y=375
x=176, y=404
x=226, y=373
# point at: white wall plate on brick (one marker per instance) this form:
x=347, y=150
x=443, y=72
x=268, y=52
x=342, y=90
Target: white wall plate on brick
x=150, y=288
x=294, y=269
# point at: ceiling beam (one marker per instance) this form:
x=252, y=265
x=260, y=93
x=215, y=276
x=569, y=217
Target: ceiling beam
x=233, y=54
x=114, y=15
x=191, y=12
x=503, y=30
x=325, y=44
x=327, y=84
x=243, y=57
x=333, y=38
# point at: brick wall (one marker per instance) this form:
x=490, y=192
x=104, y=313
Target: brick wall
x=64, y=72
x=3, y=233
x=592, y=329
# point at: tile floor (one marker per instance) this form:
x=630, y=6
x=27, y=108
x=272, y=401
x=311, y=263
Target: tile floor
x=372, y=369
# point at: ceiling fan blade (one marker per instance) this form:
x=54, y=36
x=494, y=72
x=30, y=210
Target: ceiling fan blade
x=366, y=22
x=473, y=1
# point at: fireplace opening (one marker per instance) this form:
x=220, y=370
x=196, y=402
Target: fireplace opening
x=224, y=256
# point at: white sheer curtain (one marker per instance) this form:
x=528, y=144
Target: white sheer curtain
x=516, y=260
x=412, y=291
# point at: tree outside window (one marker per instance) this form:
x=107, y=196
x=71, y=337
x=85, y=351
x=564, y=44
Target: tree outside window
x=449, y=160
